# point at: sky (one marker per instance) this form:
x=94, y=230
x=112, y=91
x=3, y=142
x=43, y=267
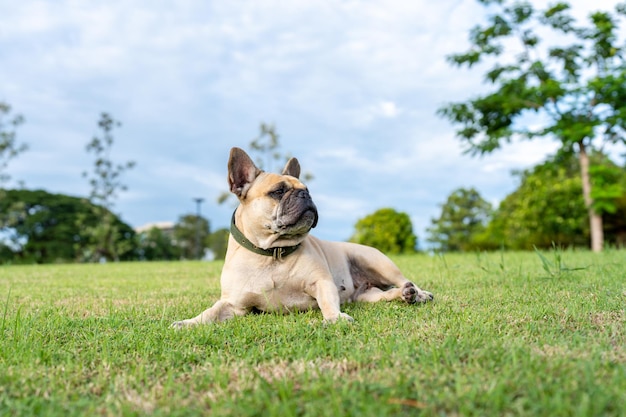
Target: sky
x=351, y=86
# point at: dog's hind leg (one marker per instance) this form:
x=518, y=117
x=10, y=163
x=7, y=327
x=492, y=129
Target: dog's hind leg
x=375, y=294
x=377, y=278
x=409, y=293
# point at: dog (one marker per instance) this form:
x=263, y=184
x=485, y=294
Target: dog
x=273, y=265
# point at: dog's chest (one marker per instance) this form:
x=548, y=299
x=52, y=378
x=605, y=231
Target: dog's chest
x=271, y=289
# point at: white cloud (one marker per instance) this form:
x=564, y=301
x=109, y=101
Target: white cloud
x=388, y=109
x=520, y=154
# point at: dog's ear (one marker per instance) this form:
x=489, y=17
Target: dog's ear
x=292, y=168
x=241, y=172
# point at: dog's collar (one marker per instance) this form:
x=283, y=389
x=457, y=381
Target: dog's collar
x=276, y=253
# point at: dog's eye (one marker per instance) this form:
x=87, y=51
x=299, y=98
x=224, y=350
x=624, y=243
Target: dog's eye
x=278, y=193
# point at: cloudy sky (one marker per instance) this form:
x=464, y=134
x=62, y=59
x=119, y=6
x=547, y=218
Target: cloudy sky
x=352, y=87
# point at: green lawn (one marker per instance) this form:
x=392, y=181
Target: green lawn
x=508, y=334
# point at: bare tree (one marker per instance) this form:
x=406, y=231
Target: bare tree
x=105, y=185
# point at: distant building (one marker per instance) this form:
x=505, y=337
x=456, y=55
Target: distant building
x=166, y=227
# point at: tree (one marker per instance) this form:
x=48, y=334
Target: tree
x=265, y=150
x=218, y=242
x=105, y=185
x=615, y=221
x=575, y=93
x=157, y=245
x=189, y=230
x=463, y=217
x=265, y=146
x=45, y=230
x=9, y=147
x=387, y=230
x=548, y=206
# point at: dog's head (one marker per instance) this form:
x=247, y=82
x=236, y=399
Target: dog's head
x=275, y=210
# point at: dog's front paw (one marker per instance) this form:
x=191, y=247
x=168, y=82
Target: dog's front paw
x=412, y=294
x=346, y=317
x=177, y=325
x=340, y=317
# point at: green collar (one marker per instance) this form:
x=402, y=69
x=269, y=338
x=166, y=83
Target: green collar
x=276, y=253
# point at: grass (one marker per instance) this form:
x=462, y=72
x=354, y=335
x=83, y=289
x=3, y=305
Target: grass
x=508, y=334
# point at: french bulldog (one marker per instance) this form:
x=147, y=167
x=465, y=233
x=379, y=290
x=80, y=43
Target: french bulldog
x=273, y=265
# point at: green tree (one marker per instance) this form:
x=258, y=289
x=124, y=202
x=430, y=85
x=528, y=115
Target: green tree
x=615, y=223
x=463, y=217
x=218, y=242
x=105, y=185
x=157, y=245
x=615, y=215
x=548, y=206
x=387, y=230
x=575, y=93
x=45, y=230
x=189, y=230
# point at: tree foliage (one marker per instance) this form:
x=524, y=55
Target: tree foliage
x=387, y=230
x=9, y=149
x=105, y=185
x=264, y=148
x=463, y=217
x=157, y=245
x=218, y=242
x=575, y=89
x=44, y=229
x=9, y=146
x=190, y=231
x=180, y=242
x=548, y=207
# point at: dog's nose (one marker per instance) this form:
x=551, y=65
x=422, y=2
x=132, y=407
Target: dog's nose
x=303, y=194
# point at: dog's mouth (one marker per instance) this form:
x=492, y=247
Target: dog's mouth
x=295, y=215
x=291, y=227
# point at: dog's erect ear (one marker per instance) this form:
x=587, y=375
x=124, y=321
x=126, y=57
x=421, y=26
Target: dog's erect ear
x=241, y=172
x=292, y=168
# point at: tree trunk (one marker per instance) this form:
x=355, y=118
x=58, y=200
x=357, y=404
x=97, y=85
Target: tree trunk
x=595, y=219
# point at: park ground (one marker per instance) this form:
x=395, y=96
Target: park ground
x=537, y=334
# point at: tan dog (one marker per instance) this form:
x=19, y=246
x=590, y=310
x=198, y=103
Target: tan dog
x=272, y=264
